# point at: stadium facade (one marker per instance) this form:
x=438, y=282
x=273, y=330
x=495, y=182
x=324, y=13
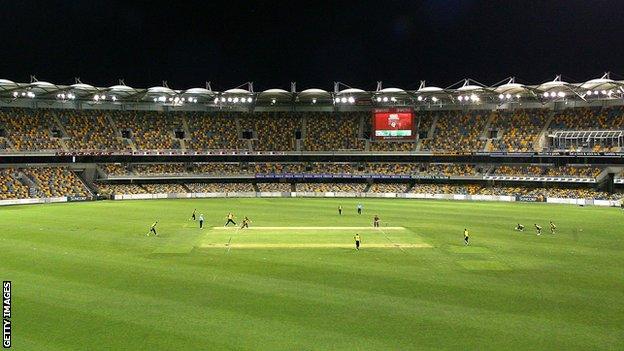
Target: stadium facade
x=555, y=141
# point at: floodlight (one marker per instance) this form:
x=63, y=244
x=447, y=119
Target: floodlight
x=434, y=99
x=15, y=94
x=273, y=101
x=235, y=100
x=337, y=100
x=249, y=99
x=589, y=92
x=553, y=94
x=385, y=99
x=508, y=96
x=517, y=96
x=419, y=98
x=501, y=96
x=96, y=97
x=229, y=99
x=545, y=94
x=314, y=100
x=460, y=98
x=561, y=94
x=393, y=99
x=343, y=100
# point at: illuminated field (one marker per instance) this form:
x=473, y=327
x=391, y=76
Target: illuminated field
x=86, y=277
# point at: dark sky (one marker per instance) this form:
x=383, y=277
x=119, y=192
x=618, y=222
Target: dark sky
x=314, y=43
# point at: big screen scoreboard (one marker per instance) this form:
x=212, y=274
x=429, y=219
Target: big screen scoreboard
x=393, y=124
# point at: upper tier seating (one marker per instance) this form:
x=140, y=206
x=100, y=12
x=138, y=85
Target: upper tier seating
x=457, y=132
x=454, y=131
x=520, y=130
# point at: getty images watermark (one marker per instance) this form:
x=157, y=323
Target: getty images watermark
x=6, y=314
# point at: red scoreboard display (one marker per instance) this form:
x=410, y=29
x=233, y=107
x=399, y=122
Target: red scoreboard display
x=394, y=124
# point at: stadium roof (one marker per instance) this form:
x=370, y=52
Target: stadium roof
x=466, y=91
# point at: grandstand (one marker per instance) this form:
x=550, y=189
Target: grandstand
x=289, y=164
x=550, y=140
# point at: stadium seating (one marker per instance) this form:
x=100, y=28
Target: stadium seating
x=548, y=171
x=214, y=168
x=334, y=132
x=584, y=172
x=10, y=186
x=55, y=181
x=520, y=130
x=588, y=119
x=90, y=130
x=330, y=187
x=274, y=131
x=519, y=170
x=454, y=131
x=269, y=168
x=165, y=168
x=115, y=169
x=119, y=189
x=373, y=168
x=274, y=187
x=29, y=129
x=457, y=132
x=150, y=130
x=467, y=189
x=215, y=131
x=404, y=146
x=387, y=188
x=164, y=188
x=220, y=187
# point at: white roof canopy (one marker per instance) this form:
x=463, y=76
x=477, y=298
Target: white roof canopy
x=198, y=91
x=392, y=90
x=352, y=91
x=160, y=90
x=237, y=91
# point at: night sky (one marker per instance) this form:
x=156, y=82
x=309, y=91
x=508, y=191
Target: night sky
x=313, y=43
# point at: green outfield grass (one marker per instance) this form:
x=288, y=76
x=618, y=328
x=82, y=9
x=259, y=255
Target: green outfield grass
x=86, y=277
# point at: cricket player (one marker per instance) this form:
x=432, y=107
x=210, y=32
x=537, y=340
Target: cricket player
x=359, y=208
x=153, y=229
x=520, y=227
x=201, y=221
x=246, y=222
x=553, y=227
x=340, y=210
x=376, y=221
x=230, y=219
x=193, y=215
x=538, y=229
x=357, y=241
x=466, y=237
